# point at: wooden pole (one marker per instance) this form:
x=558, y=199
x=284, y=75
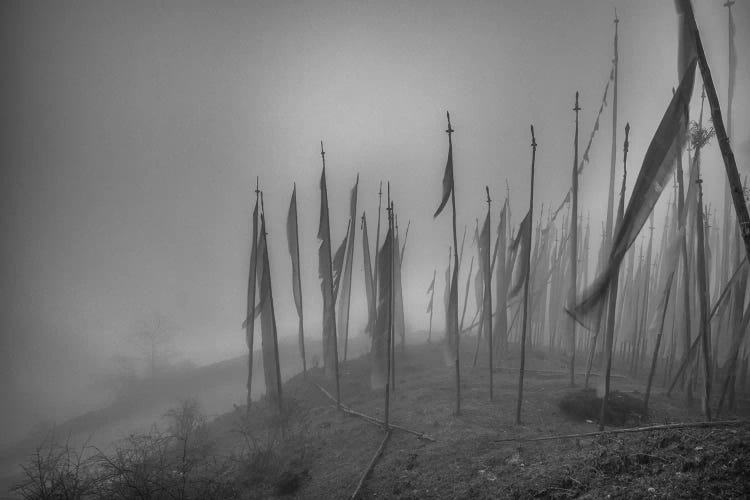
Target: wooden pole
x=392, y=326
x=651, y=428
x=273, y=312
x=252, y=279
x=432, y=301
x=658, y=343
x=299, y=286
x=390, y=317
x=609, y=337
x=371, y=465
x=573, y=252
x=527, y=257
x=730, y=165
x=703, y=297
x=488, y=289
x=333, y=298
x=613, y=153
x=377, y=237
x=727, y=188
x=450, y=131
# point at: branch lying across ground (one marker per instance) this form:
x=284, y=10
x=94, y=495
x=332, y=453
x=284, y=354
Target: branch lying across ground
x=553, y=372
x=683, y=425
x=372, y=464
x=373, y=420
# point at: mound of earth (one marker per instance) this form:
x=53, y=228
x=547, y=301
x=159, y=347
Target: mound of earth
x=585, y=404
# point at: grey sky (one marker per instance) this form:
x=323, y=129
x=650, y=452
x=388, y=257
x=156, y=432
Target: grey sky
x=133, y=132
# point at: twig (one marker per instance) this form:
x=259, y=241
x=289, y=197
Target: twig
x=683, y=425
x=372, y=464
x=373, y=420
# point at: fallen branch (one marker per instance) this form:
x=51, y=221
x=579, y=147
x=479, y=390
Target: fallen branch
x=683, y=425
x=373, y=420
x=552, y=372
x=369, y=468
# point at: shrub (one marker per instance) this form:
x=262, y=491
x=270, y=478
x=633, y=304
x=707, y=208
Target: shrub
x=57, y=470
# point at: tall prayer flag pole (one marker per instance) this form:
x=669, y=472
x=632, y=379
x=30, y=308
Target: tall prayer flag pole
x=488, y=289
x=527, y=259
x=610, y=331
x=573, y=252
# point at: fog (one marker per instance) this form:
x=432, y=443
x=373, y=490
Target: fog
x=133, y=133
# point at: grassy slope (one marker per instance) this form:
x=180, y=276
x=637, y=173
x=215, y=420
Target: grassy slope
x=330, y=450
x=465, y=462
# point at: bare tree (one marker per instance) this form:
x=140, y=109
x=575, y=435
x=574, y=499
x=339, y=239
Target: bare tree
x=155, y=338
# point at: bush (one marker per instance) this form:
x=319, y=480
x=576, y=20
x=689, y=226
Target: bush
x=177, y=461
x=57, y=470
x=273, y=456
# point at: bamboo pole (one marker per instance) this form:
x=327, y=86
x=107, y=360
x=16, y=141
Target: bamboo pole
x=432, y=301
x=613, y=292
x=730, y=165
x=273, y=311
x=373, y=420
x=299, y=286
x=658, y=343
x=390, y=318
x=333, y=298
x=377, y=237
x=251, y=285
x=450, y=131
x=573, y=251
x=527, y=257
x=632, y=430
x=488, y=290
x=703, y=297
x=371, y=466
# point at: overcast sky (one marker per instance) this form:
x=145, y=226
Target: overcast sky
x=133, y=131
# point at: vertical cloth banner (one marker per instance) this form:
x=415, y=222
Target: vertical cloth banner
x=292, y=238
x=269, y=337
x=325, y=273
x=369, y=284
x=658, y=164
x=379, y=341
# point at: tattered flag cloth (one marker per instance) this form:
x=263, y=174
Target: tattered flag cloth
x=484, y=264
x=293, y=243
x=346, y=283
x=325, y=273
x=291, y=237
x=518, y=247
x=338, y=263
x=657, y=167
x=732, y=65
x=450, y=347
x=252, y=280
x=379, y=341
x=447, y=181
x=369, y=284
x=269, y=339
x=501, y=282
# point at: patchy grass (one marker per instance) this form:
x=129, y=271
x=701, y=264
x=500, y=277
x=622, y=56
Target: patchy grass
x=315, y=451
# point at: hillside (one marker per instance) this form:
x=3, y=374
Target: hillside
x=466, y=459
x=317, y=451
